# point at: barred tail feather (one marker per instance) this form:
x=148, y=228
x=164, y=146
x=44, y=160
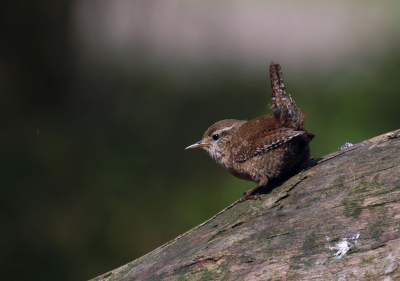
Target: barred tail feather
x=282, y=104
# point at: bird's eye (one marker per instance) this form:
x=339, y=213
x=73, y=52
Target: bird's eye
x=215, y=137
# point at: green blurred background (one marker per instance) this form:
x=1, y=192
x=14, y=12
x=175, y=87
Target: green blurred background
x=100, y=98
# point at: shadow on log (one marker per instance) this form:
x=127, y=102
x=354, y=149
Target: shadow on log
x=339, y=220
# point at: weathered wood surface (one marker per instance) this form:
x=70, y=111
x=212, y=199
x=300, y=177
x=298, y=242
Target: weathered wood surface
x=339, y=220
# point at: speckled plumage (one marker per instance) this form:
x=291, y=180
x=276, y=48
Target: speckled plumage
x=265, y=148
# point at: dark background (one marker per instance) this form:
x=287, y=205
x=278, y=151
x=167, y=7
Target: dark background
x=93, y=171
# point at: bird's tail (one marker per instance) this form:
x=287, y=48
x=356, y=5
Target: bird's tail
x=284, y=107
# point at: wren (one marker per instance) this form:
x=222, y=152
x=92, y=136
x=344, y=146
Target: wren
x=266, y=148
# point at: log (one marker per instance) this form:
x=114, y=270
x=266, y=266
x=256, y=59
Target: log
x=338, y=220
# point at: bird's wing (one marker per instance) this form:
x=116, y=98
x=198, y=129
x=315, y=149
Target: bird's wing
x=258, y=142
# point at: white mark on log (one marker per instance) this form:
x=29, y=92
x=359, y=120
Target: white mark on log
x=344, y=246
x=346, y=145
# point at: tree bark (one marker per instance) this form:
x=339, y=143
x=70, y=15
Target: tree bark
x=338, y=220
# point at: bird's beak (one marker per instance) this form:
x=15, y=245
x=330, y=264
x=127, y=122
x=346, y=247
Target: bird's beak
x=197, y=144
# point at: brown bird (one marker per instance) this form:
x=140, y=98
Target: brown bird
x=265, y=148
